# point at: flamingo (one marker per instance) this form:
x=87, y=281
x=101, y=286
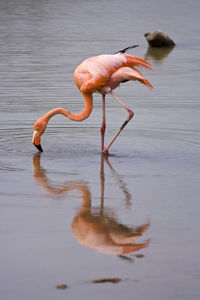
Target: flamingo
x=98, y=74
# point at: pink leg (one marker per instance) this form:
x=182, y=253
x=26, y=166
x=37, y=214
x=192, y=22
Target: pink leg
x=130, y=116
x=103, y=125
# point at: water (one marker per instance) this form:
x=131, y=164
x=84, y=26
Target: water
x=68, y=216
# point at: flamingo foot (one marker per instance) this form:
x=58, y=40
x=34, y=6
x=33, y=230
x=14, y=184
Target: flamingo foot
x=105, y=152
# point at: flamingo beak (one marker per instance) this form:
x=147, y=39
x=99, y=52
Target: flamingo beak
x=39, y=147
x=36, y=141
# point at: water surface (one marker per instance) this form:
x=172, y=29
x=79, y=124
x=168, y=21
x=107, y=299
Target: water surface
x=68, y=216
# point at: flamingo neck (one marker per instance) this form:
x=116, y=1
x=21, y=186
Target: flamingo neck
x=74, y=117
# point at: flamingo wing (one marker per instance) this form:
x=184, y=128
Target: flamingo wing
x=125, y=74
x=97, y=71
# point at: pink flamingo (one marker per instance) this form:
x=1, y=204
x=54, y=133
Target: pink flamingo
x=98, y=74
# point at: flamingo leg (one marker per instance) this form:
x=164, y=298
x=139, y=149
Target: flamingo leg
x=130, y=116
x=103, y=125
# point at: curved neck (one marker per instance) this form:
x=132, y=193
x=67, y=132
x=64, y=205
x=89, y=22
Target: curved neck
x=74, y=117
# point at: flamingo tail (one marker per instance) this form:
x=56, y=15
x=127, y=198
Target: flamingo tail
x=126, y=49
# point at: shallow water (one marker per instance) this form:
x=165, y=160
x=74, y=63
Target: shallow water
x=68, y=216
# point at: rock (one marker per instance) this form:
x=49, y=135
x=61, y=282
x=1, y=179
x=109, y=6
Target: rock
x=159, y=39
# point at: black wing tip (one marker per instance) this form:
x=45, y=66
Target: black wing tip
x=126, y=49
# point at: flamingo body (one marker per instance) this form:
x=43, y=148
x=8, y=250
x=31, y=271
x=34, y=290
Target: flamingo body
x=104, y=73
x=98, y=74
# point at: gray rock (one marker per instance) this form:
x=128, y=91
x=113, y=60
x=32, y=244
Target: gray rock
x=159, y=39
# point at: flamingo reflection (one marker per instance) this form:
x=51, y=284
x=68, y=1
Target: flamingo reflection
x=96, y=227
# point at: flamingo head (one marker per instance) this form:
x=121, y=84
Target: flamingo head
x=38, y=130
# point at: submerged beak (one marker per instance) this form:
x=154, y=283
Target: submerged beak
x=39, y=147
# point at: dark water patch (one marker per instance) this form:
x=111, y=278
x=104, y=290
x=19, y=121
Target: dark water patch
x=62, y=286
x=107, y=280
